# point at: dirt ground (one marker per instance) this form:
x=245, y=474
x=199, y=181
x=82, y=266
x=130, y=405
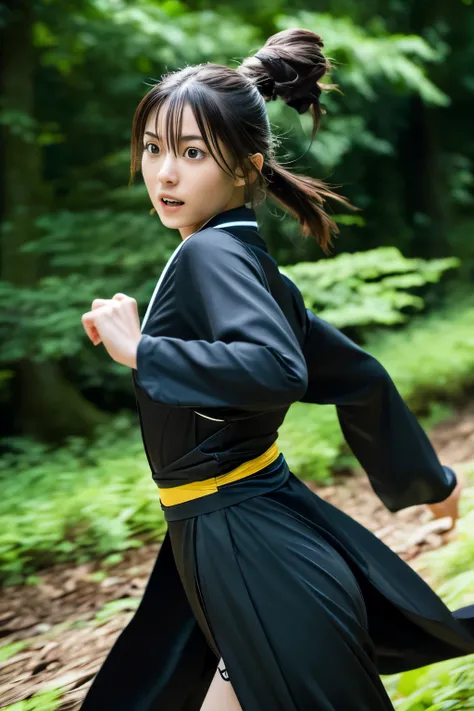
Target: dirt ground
x=65, y=625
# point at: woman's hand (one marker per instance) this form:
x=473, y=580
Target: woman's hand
x=115, y=323
x=450, y=506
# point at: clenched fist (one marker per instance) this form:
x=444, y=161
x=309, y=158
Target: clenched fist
x=115, y=323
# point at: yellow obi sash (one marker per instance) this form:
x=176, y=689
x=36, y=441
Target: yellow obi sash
x=196, y=489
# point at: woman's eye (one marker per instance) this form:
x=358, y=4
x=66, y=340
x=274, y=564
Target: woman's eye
x=153, y=149
x=195, y=149
x=151, y=145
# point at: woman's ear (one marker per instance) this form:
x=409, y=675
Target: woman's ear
x=257, y=160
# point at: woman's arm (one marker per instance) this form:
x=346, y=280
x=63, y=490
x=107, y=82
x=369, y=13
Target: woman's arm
x=381, y=431
x=247, y=355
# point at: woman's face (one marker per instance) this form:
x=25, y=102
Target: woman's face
x=193, y=176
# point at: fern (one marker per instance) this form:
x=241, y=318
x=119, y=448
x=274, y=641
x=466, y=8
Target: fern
x=366, y=287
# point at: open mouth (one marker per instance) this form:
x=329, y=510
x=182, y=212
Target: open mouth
x=171, y=203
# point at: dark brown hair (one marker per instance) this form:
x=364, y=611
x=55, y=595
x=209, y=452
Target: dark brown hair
x=228, y=104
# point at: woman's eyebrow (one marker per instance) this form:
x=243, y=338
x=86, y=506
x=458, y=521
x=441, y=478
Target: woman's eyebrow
x=181, y=138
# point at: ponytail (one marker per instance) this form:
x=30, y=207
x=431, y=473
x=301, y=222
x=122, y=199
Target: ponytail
x=304, y=198
x=289, y=67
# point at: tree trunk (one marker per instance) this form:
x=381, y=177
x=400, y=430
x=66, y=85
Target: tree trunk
x=426, y=185
x=46, y=404
x=49, y=407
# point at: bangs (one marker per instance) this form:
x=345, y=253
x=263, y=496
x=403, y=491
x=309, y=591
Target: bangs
x=211, y=121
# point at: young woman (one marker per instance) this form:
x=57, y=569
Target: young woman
x=263, y=596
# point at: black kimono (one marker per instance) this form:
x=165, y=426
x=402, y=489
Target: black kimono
x=304, y=604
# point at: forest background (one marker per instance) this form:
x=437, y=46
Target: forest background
x=397, y=140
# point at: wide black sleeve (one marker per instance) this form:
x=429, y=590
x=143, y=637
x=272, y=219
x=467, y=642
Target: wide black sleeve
x=380, y=429
x=245, y=354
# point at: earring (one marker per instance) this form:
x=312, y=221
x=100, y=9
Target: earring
x=152, y=211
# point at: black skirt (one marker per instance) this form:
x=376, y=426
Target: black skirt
x=306, y=607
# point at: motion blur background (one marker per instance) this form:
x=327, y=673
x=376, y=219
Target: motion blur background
x=398, y=142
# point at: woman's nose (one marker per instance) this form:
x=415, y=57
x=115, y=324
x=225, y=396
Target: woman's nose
x=168, y=169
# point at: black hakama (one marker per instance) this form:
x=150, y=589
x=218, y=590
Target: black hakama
x=305, y=605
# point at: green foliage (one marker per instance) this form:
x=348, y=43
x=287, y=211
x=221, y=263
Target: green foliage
x=310, y=439
x=438, y=412
x=344, y=134
x=366, y=288
x=364, y=57
x=50, y=312
x=19, y=123
x=432, y=359
x=110, y=609
x=9, y=650
x=448, y=685
x=43, y=701
x=83, y=501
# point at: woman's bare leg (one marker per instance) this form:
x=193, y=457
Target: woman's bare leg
x=220, y=695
